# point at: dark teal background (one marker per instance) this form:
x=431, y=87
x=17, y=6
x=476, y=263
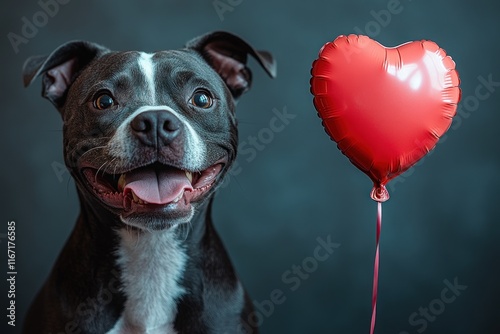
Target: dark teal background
x=441, y=223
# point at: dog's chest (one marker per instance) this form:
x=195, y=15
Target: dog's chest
x=152, y=266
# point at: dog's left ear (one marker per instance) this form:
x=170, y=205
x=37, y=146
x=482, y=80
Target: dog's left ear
x=227, y=54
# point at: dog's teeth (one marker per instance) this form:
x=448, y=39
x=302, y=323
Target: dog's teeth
x=121, y=182
x=189, y=176
x=134, y=196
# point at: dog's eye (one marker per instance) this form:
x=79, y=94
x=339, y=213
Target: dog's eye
x=201, y=99
x=104, y=101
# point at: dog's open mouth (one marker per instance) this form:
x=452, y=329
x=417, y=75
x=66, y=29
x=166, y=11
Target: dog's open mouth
x=152, y=186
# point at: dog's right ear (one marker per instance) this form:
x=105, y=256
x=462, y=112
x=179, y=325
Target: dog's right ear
x=227, y=54
x=60, y=68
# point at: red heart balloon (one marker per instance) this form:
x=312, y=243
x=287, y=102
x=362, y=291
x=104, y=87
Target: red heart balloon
x=384, y=107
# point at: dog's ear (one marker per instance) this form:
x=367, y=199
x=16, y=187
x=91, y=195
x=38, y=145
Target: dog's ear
x=227, y=54
x=60, y=68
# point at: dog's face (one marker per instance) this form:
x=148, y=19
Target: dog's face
x=149, y=135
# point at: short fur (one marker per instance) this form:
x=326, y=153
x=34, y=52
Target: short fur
x=129, y=266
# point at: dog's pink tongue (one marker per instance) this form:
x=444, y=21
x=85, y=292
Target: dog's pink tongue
x=157, y=186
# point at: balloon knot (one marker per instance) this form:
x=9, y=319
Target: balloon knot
x=379, y=193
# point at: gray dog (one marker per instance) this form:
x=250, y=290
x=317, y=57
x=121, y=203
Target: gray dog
x=148, y=138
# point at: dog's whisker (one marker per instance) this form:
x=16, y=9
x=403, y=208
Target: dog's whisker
x=97, y=173
x=92, y=149
x=109, y=165
x=114, y=168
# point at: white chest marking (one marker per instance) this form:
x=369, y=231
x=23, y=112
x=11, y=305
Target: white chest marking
x=152, y=265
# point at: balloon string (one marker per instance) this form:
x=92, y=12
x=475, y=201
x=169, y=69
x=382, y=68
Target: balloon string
x=376, y=268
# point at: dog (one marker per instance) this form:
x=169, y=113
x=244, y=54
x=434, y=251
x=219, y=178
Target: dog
x=148, y=138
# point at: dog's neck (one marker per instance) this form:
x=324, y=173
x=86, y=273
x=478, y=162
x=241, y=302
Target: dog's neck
x=152, y=265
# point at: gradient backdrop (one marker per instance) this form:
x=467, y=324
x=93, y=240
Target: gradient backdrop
x=293, y=186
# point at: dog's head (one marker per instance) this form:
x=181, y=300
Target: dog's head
x=149, y=135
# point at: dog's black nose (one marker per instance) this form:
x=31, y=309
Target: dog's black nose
x=156, y=127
